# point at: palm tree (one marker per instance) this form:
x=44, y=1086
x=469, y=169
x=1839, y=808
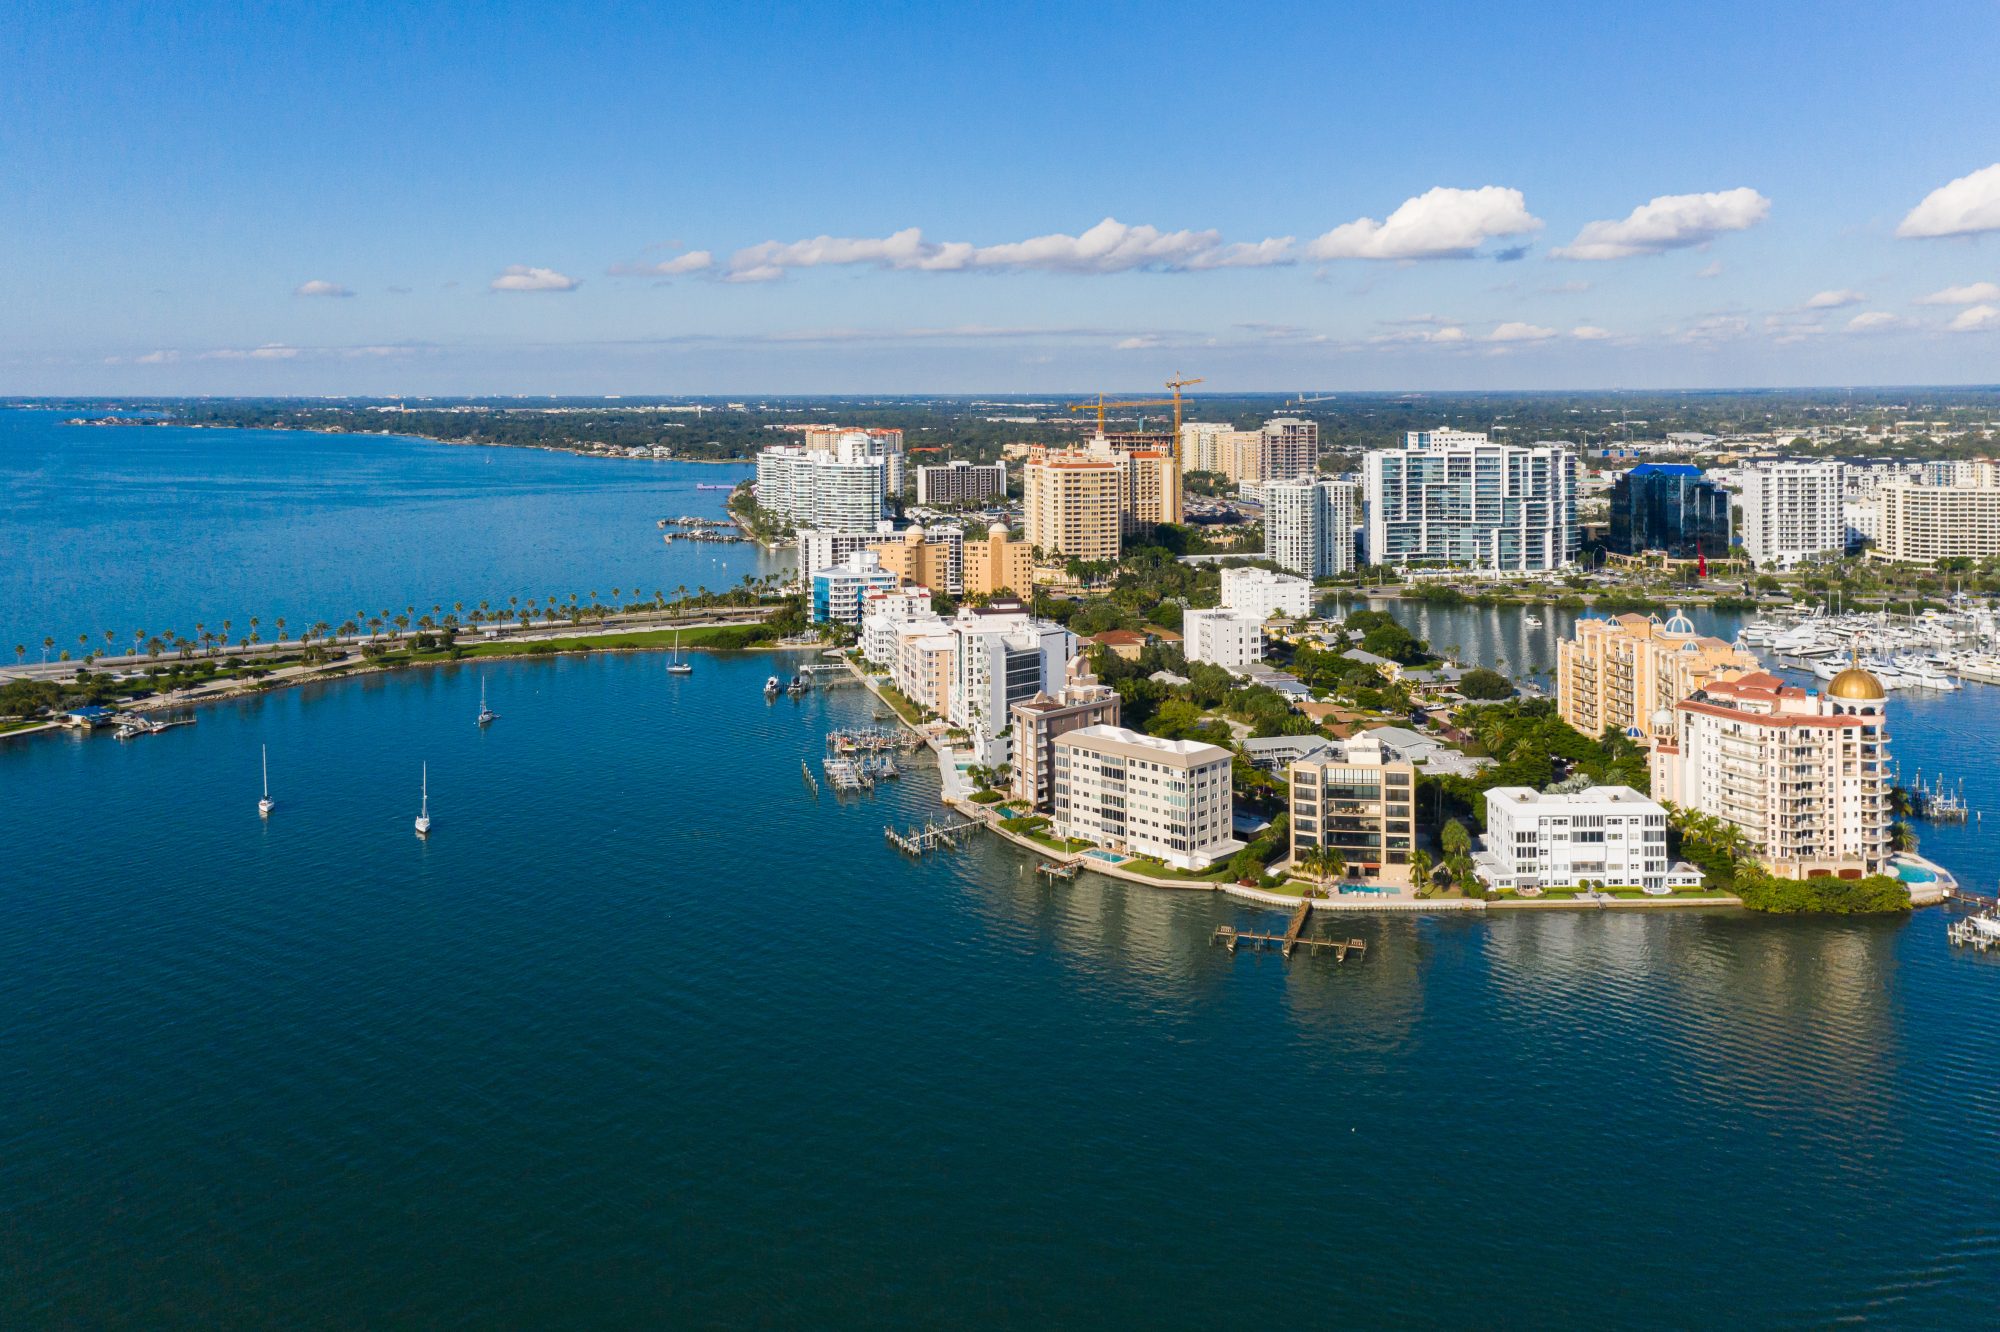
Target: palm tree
x=20, y=653
x=48, y=643
x=1420, y=872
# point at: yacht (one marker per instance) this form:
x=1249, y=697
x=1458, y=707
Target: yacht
x=266, y=805
x=677, y=666
x=486, y=714
x=424, y=809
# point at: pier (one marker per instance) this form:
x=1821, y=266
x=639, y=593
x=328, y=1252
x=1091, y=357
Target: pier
x=919, y=841
x=811, y=780
x=1061, y=869
x=1293, y=937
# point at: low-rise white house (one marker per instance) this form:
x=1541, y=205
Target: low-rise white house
x=1609, y=835
x=1230, y=639
x=1262, y=593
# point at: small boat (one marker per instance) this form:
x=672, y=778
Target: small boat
x=424, y=809
x=1532, y=621
x=797, y=686
x=773, y=685
x=266, y=805
x=486, y=714
x=677, y=666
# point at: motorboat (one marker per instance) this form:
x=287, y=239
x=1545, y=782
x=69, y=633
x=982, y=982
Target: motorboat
x=773, y=685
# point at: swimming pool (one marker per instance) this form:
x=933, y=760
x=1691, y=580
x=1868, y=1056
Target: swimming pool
x=1111, y=856
x=1914, y=873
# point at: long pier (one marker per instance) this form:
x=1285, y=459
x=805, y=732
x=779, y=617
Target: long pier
x=1293, y=937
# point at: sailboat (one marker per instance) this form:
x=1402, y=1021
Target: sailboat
x=679, y=667
x=266, y=805
x=486, y=714
x=424, y=810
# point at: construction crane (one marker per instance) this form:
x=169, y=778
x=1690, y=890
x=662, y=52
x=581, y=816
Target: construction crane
x=1302, y=399
x=1177, y=384
x=1101, y=404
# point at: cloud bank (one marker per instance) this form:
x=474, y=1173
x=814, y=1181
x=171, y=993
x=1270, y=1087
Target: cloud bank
x=1669, y=222
x=320, y=287
x=1964, y=207
x=520, y=277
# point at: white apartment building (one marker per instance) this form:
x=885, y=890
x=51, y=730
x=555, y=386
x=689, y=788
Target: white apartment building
x=1792, y=511
x=1002, y=655
x=1452, y=497
x=1804, y=775
x=1928, y=523
x=846, y=490
x=820, y=547
x=1230, y=639
x=922, y=668
x=1261, y=593
x=961, y=483
x=1608, y=835
x=1169, y=799
x=1309, y=525
x=837, y=590
x=884, y=614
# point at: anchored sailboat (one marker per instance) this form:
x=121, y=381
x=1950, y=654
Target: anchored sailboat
x=424, y=809
x=679, y=667
x=486, y=714
x=266, y=805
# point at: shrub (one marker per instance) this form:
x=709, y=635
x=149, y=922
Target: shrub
x=1874, y=895
x=985, y=797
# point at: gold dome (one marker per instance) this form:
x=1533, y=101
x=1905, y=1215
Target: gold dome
x=1855, y=683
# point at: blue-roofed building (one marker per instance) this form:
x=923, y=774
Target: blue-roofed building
x=1669, y=507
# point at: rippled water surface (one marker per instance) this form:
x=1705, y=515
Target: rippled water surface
x=162, y=528
x=645, y=1034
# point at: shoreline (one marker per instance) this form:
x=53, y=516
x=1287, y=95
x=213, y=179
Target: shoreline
x=126, y=424
x=983, y=814
x=236, y=689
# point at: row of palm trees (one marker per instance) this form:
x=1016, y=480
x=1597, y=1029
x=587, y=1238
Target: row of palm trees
x=393, y=624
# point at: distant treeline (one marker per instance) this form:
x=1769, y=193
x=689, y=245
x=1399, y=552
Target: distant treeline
x=963, y=427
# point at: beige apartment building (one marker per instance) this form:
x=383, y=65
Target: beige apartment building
x=1805, y=776
x=1152, y=491
x=920, y=557
x=1923, y=524
x=1037, y=721
x=1357, y=801
x=997, y=565
x=1072, y=505
x=1168, y=799
x=1629, y=672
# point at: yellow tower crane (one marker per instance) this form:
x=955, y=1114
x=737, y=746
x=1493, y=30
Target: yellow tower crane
x=1103, y=403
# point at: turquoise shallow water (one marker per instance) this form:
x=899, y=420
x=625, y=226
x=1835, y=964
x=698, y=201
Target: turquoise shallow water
x=647, y=1034
x=163, y=527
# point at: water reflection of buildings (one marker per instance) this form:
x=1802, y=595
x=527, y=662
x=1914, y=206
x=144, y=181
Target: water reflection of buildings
x=1776, y=1016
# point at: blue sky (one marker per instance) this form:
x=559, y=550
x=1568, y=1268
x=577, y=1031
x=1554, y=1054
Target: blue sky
x=380, y=198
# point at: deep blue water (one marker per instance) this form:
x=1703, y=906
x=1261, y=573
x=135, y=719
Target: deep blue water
x=646, y=1034
x=163, y=527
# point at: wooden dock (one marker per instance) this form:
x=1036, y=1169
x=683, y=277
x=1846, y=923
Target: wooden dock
x=811, y=780
x=1293, y=937
x=1061, y=869
x=932, y=836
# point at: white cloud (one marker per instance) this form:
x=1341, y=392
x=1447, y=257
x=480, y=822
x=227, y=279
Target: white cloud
x=320, y=287
x=1516, y=331
x=270, y=351
x=158, y=358
x=520, y=277
x=1442, y=223
x=1874, y=321
x=694, y=261
x=1976, y=319
x=1669, y=222
x=1142, y=342
x=1964, y=207
x=1713, y=269
x=1589, y=333
x=1109, y=247
x=1423, y=328
x=1713, y=329
x=1833, y=300
x=1970, y=294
